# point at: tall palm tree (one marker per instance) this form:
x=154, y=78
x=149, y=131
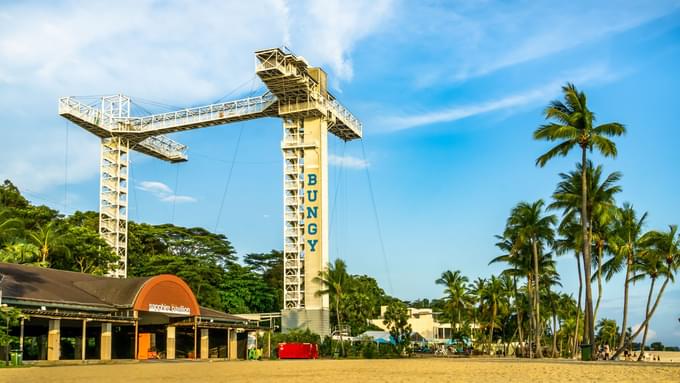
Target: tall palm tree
x=661, y=257
x=534, y=228
x=600, y=205
x=334, y=280
x=493, y=296
x=625, y=247
x=476, y=290
x=518, y=264
x=457, y=296
x=572, y=125
x=571, y=240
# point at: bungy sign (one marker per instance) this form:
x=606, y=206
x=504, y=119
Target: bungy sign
x=169, y=309
x=312, y=212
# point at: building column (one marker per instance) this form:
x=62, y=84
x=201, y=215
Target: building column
x=83, y=340
x=170, y=342
x=136, y=315
x=233, y=344
x=21, y=337
x=53, y=339
x=105, y=342
x=205, y=345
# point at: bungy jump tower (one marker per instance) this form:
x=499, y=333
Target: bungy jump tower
x=298, y=94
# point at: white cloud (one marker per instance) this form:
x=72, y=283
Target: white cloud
x=347, y=161
x=651, y=334
x=163, y=192
x=515, y=100
x=478, y=38
x=173, y=52
x=326, y=31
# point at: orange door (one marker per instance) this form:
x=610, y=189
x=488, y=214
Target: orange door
x=143, y=345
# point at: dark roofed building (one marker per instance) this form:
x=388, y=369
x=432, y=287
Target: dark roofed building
x=69, y=315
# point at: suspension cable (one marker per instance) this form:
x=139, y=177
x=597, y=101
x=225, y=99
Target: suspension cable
x=377, y=219
x=174, y=199
x=66, y=167
x=231, y=171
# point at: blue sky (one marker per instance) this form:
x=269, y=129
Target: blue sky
x=449, y=93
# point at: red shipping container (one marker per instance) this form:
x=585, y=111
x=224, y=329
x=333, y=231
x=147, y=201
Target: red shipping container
x=298, y=351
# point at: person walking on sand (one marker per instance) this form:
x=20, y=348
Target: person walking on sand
x=606, y=351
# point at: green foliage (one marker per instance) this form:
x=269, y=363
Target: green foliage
x=396, y=319
x=9, y=316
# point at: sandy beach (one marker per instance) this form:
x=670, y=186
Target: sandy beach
x=405, y=370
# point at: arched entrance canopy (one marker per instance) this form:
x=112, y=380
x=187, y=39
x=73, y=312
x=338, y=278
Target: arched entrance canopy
x=166, y=294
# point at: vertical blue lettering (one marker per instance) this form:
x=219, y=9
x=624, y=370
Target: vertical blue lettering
x=312, y=229
x=312, y=212
x=311, y=179
x=309, y=195
x=312, y=244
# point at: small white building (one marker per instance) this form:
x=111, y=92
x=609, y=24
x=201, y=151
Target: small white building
x=422, y=321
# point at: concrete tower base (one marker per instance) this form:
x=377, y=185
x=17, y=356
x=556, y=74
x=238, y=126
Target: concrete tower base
x=316, y=320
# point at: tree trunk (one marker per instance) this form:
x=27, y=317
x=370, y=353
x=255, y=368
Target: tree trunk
x=532, y=319
x=599, y=281
x=493, y=320
x=537, y=300
x=578, y=307
x=644, y=337
x=337, y=316
x=554, y=345
x=520, y=331
x=648, y=317
x=589, y=330
x=626, y=286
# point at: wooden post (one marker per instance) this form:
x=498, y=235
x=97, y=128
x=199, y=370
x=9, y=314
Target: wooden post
x=136, y=315
x=170, y=342
x=53, y=339
x=105, y=342
x=83, y=341
x=205, y=343
x=195, y=336
x=21, y=337
x=269, y=344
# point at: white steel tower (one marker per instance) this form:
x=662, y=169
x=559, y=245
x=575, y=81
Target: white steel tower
x=298, y=94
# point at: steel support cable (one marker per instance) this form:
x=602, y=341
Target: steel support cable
x=338, y=173
x=226, y=185
x=130, y=180
x=174, y=198
x=235, y=89
x=377, y=219
x=66, y=168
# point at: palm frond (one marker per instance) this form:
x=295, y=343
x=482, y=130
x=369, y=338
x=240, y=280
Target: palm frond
x=610, y=129
x=561, y=150
x=604, y=145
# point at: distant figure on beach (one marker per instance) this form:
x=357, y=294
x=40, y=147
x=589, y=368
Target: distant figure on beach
x=606, y=351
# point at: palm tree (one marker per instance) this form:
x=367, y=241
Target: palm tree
x=457, y=296
x=334, y=280
x=9, y=225
x=572, y=124
x=600, y=205
x=571, y=241
x=518, y=263
x=493, y=295
x=535, y=229
x=661, y=256
x=625, y=247
x=47, y=239
x=476, y=290
x=607, y=331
